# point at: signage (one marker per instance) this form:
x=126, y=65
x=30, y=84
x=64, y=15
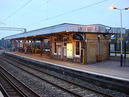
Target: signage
x=77, y=37
x=120, y=38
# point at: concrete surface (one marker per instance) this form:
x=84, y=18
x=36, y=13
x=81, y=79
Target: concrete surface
x=109, y=67
x=1, y=95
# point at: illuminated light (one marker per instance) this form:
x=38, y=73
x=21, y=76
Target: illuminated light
x=69, y=50
x=112, y=7
x=127, y=8
x=121, y=38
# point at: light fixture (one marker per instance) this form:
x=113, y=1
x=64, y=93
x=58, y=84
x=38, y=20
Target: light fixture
x=121, y=36
x=112, y=7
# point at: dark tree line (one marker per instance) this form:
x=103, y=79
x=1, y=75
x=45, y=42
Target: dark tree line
x=5, y=44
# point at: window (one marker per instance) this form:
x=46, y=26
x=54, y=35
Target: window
x=77, y=48
x=64, y=44
x=65, y=50
x=54, y=47
x=46, y=44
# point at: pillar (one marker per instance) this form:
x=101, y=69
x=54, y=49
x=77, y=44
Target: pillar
x=50, y=46
x=14, y=45
x=84, y=50
x=41, y=47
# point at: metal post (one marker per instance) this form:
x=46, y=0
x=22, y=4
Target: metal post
x=125, y=50
x=121, y=58
x=41, y=47
x=109, y=48
x=115, y=48
x=121, y=38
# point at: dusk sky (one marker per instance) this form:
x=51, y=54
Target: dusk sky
x=34, y=14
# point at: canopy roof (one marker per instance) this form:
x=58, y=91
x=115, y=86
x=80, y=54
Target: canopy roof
x=66, y=27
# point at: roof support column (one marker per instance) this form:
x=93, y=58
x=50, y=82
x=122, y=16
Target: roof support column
x=41, y=47
x=34, y=47
x=50, y=46
x=84, y=50
x=14, y=45
x=19, y=45
x=31, y=46
x=25, y=46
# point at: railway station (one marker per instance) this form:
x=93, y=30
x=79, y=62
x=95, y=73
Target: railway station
x=44, y=53
x=68, y=55
x=106, y=74
x=68, y=42
x=71, y=45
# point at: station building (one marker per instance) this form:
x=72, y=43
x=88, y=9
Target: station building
x=68, y=42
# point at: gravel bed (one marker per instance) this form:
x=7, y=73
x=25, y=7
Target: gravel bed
x=28, y=93
x=10, y=91
x=79, y=90
x=42, y=88
x=81, y=82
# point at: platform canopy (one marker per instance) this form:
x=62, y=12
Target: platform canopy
x=66, y=27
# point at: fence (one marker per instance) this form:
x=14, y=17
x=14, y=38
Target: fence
x=115, y=53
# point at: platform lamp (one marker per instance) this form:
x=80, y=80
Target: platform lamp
x=121, y=38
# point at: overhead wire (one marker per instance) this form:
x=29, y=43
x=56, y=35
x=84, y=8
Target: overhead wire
x=12, y=14
x=46, y=2
x=2, y=23
x=56, y=16
x=17, y=10
x=11, y=28
x=74, y=10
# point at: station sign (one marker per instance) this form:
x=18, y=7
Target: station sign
x=120, y=38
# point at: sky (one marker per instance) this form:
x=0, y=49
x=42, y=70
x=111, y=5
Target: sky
x=35, y=14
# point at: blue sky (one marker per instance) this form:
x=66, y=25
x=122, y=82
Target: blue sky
x=38, y=13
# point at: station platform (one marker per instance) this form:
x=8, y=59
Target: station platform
x=1, y=95
x=107, y=68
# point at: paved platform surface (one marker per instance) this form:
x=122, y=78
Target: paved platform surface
x=1, y=95
x=1, y=51
x=107, y=68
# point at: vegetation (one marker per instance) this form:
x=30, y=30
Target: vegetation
x=5, y=44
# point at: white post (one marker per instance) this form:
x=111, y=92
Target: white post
x=121, y=41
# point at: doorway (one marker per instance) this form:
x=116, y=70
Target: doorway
x=69, y=48
x=59, y=50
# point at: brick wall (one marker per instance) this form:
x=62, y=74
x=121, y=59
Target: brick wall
x=97, y=48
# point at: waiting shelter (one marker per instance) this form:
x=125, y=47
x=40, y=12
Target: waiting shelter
x=68, y=42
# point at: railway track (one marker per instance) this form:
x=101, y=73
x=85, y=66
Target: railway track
x=12, y=87
x=9, y=89
x=67, y=86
